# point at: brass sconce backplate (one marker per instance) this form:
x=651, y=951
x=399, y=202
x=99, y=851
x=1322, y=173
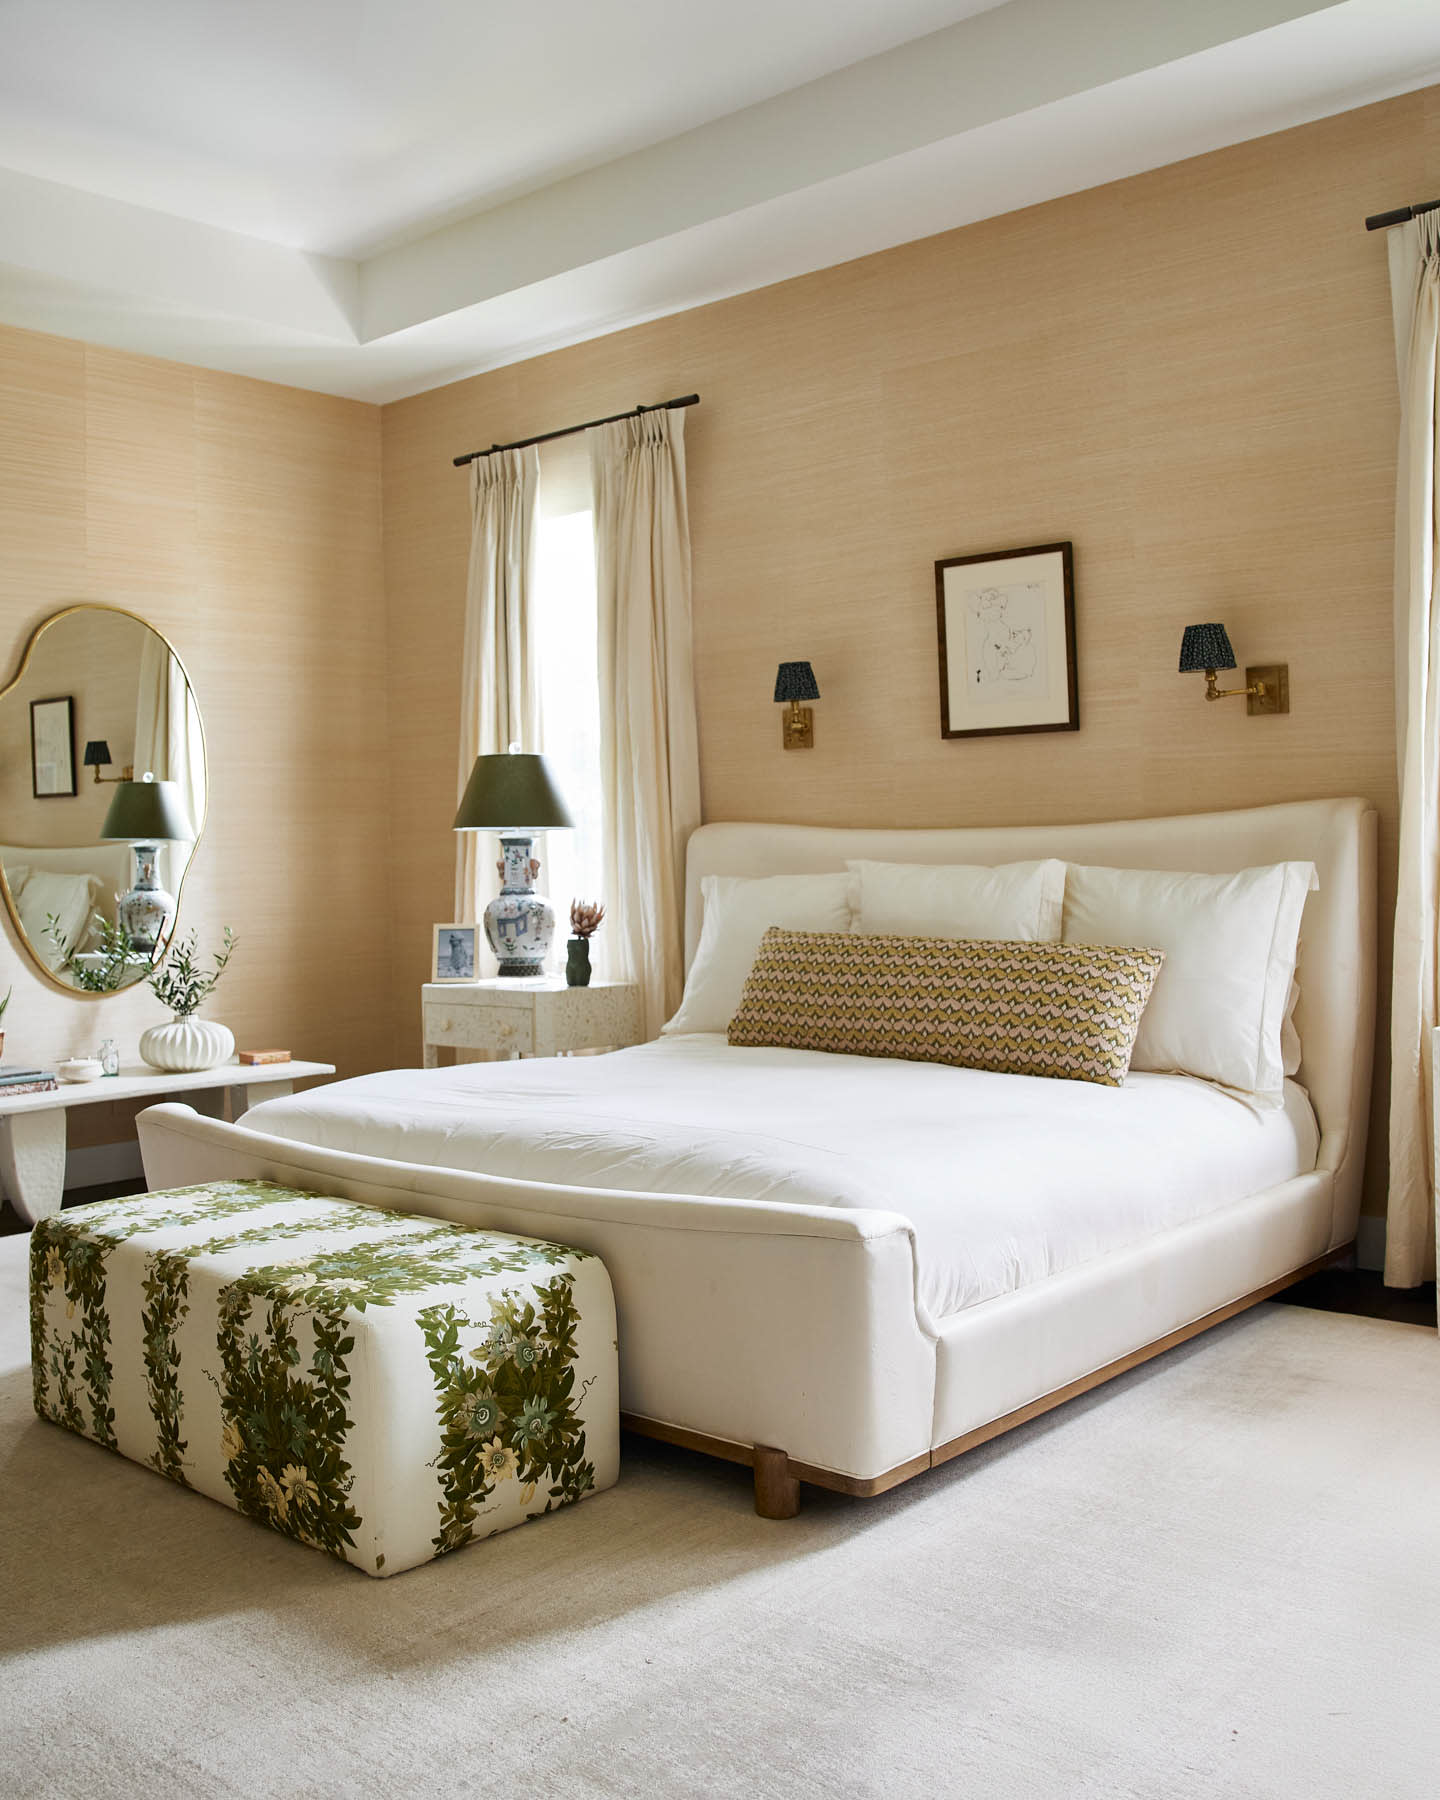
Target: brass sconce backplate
x=797, y=728
x=1276, y=698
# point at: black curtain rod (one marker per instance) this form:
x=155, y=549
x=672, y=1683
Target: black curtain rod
x=1378, y=221
x=569, y=430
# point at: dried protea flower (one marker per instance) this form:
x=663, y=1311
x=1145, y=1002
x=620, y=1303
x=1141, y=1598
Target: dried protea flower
x=585, y=917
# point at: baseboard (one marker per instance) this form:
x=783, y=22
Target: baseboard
x=1370, y=1242
x=94, y=1164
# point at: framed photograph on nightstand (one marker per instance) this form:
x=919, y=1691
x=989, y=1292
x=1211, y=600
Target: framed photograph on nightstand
x=454, y=958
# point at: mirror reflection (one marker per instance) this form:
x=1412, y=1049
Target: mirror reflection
x=102, y=796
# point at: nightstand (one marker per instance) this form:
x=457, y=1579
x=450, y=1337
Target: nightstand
x=534, y=1016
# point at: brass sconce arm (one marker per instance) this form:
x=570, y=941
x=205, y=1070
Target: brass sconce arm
x=1256, y=688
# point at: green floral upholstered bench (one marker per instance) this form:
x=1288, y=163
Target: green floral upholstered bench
x=378, y=1385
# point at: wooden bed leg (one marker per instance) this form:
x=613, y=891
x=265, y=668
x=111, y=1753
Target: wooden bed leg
x=777, y=1492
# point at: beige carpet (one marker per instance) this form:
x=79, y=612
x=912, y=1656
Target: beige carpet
x=1221, y=1576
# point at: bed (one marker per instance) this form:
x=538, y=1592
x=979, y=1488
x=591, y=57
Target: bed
x=845, y=1270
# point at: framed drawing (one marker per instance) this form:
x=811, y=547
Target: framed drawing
x=52, y=747
x=1007, y=642
x=454, y=958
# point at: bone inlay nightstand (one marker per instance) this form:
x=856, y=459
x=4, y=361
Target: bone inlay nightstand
x=535, y=1016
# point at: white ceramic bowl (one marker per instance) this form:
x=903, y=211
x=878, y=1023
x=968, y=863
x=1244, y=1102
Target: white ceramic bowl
x=80, y=1068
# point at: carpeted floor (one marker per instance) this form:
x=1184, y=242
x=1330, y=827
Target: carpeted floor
x=1219, y=1576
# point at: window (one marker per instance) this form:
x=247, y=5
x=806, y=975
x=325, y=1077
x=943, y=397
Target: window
x=572, y=861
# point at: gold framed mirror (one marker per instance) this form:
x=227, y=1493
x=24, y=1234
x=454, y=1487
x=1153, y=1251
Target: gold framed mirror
x=103, y=797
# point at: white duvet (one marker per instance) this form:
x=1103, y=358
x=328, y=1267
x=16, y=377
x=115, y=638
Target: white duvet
x=1005, y=1178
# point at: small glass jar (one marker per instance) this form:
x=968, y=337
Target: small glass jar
x=110, y=1057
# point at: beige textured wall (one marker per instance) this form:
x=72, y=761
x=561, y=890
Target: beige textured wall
x=243, y=521
x=1189, y=374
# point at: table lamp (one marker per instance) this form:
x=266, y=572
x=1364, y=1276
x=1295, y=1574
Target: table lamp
x=146, y=814
x=514, y=795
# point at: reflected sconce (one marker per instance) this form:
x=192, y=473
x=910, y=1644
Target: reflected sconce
x=1206, y=648
x=97, y=757
x=796, y=682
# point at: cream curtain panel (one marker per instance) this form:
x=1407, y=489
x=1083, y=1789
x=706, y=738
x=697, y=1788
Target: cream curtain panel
x=168, y=740
x=499, y=696
x=1415, y=292
x=650, y=763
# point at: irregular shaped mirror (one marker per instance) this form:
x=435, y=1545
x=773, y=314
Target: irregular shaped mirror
x=102, y=796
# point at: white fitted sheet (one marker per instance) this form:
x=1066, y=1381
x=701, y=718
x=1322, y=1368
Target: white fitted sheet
x=1006, y=1179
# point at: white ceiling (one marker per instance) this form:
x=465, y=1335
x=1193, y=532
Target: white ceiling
x=337, y=125
x=373, y=196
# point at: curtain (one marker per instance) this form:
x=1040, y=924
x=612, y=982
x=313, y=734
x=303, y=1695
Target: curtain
x=499, y=698
x=169, y=742
x=649, y=759
x=1415, y=291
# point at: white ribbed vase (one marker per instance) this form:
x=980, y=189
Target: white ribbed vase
x=185, y=1045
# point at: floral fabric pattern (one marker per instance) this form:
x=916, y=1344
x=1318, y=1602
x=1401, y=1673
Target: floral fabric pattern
x=223, y=1336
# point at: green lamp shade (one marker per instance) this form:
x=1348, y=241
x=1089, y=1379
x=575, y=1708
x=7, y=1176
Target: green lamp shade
x=147, y=812
x=511, y=792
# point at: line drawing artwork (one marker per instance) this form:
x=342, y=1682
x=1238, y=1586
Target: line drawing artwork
x=1005, y=642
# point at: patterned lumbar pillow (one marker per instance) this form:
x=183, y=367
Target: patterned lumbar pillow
x=1064, y=1010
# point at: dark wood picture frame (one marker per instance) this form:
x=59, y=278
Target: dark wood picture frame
x=54, y=793
x=1066, y=553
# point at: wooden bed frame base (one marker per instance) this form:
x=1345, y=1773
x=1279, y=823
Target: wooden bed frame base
x=778, y=1477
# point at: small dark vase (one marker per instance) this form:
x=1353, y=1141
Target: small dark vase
x=577, y=963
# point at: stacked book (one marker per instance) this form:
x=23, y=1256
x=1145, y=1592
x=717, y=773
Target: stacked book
x=15, y=1081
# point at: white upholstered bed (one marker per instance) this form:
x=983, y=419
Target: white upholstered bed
x=844, y=1270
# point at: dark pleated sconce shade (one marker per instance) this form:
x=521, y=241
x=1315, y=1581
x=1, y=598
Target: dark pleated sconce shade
x=796, y=681
x=97, y=754
x=1205, y=647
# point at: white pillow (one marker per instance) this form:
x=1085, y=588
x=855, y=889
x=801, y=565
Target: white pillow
x=1020, y=902
x=737, y=915
x=1218, y=1008
x=71, y=898
x=1289, y=1037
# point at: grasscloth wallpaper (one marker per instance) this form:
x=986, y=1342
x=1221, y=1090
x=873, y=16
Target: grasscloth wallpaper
x=243, y=520
x=1189, y=374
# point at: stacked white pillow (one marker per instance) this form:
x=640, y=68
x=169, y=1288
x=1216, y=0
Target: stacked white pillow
x=1221, y=1004
x=1019, y=902
x=737, y=915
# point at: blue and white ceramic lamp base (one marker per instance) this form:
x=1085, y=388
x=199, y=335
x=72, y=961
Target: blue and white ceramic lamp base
x=519, y=923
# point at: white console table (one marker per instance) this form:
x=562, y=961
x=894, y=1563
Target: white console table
x=32, y=1126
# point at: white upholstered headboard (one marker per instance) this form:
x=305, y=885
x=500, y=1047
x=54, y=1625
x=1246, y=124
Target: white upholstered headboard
x=1336, y=1012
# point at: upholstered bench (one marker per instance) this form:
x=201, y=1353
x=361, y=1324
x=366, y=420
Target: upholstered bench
x=378, y=1385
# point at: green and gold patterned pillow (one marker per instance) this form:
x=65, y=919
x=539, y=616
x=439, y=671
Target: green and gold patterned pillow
x=1064, y=1010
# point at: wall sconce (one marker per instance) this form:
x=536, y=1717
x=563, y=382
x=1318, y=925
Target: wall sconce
x=97, y=754
x=1207, y=648
x=796, y=682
